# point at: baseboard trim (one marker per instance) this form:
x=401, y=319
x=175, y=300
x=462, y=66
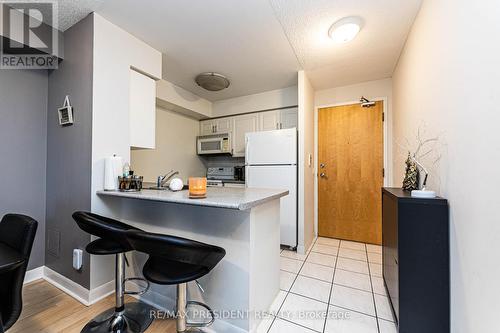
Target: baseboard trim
x=70, y=287
x=33, y=274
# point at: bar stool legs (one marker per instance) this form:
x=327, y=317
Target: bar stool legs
x=181, y=307
x=133, y=317
x=182, y=303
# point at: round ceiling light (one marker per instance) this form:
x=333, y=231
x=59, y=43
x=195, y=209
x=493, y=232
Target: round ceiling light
x=346, y=29
x=212, y=81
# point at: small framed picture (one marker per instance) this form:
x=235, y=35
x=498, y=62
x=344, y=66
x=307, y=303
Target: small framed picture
x=65, y=115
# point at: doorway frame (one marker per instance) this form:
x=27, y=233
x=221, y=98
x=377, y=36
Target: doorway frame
x=387, y=148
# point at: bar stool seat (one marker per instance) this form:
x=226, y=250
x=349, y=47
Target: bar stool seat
x=132, y=317
x=103, y=246
x=170, y=272
x=176, y=261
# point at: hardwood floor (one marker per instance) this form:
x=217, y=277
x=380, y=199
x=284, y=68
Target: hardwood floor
x=49, y=310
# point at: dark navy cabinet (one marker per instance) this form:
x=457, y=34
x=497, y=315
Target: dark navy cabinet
x=416, y=264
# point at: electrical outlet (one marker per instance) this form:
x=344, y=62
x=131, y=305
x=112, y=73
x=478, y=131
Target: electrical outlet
x=77, y=259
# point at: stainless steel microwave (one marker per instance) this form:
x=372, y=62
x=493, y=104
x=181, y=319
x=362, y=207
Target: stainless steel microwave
x=214, y=144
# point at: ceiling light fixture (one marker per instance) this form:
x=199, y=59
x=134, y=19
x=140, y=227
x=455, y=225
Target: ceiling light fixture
x=344, y=30
x=212, y=81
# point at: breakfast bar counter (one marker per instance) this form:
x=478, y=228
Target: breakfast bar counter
x=220, y=197
x=243, y=221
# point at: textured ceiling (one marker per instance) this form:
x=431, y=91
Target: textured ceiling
x=371, y=55
x=259, y=44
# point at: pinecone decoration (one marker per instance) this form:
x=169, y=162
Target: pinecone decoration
x=411, y=180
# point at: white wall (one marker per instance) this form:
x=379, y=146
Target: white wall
x=372, y=90
x=448, y=77
x=306, y=164
x=175, y=98
x=273, y=99
x=175, y=148
x=115, y=52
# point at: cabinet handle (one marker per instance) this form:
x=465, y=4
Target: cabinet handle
x=277, y=125
x=281, y=126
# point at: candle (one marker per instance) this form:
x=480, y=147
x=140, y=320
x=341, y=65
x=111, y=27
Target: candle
x=197, y=187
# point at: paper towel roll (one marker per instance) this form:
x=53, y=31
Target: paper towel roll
x=112, y=169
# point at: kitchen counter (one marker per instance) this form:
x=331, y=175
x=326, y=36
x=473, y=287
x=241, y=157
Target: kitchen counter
x=243, y=221
x=231, y=198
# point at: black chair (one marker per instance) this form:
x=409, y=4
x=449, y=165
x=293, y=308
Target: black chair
x=17, y=233
x=133, y=317
x=176, y=261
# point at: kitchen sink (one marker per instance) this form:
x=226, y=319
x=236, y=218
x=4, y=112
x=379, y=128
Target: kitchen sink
x=165, y=188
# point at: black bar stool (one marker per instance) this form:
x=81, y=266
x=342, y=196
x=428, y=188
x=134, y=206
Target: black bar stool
x=174, y=260
x=17, y=234
x=133, y=317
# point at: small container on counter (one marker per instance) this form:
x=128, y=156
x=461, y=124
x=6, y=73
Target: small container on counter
x=130, y=183
x=197, y=187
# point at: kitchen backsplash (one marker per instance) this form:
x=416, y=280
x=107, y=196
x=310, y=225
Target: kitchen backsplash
x=223, y=161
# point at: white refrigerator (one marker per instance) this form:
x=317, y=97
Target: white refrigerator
x=271, y=162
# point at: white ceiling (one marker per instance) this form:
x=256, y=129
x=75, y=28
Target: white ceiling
x=260, y=44
x=371, y=55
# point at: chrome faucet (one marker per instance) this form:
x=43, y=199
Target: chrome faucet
x=160, y=182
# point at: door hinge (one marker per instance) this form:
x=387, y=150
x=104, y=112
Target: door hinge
x=383, y=172
x=383, y=116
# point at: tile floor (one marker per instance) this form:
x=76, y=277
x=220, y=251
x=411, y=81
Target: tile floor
x=335, y=288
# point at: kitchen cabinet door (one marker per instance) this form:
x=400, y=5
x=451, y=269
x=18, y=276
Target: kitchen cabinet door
x=242, y=125
x=207, y=127
x=223, y=125
x=288, y=118
x=142, y=111
x=269, y=120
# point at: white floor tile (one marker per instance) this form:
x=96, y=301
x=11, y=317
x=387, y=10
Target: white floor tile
x=286, y=280
x=387, y=326
x=357, y=266
x=293, y=255
x=353, y=322
x=305, y=286
x=352, y=245
x=304, y=311
x=325, y=249
x=265, y=324
x=374, y=248
x=383, y=307
x=317, y=271
x=375, y=258
x=278, y=301
x=290, y=265
x=283, y=326
x=352, y=279
x=352, y=254
x=378, y=286
x=375, y=269
x=353, y=299
x=321, y=259
x=328, y=241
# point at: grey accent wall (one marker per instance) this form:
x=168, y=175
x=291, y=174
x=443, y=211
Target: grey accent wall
x=69, y=153
x=23, y=138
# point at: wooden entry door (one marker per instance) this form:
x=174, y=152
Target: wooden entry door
x=350, y=174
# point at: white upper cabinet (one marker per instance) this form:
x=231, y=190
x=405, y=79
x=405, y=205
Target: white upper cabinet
x=289, y=118
x=269, y=120
x=278, y=119
x=243, y=124
x=142, y=110
x=216, y=126
x=223, y=125
x=207, y=127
